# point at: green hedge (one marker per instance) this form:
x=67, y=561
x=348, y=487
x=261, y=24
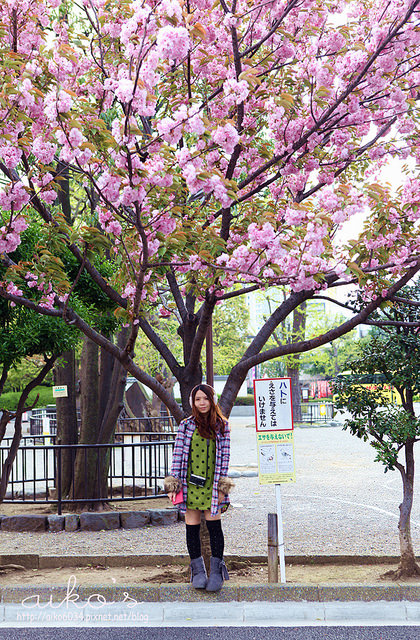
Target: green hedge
x=10, y=400
x=242, y=401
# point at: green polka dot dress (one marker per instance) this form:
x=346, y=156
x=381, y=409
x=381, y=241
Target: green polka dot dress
x=200, y=497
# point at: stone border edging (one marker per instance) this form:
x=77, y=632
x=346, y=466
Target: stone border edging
x=90, y=520
x=36, y=561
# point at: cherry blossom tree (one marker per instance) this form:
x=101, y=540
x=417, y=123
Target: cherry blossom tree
x=220, y=147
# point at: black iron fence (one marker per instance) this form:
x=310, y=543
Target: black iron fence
x=152, y=425
x=44, y=422
x=136, y=470
x=317, y=411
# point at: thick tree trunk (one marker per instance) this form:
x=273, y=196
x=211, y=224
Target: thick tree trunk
x=117, y=376
x=6, y=416
x=102, y=391
x=105, y=387
x=67, y=431
x=293, y=374
x=299, y=323
x=3, y=377
x=85, y=482
x=408, y=566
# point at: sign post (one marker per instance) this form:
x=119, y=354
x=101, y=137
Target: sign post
x=275, y=445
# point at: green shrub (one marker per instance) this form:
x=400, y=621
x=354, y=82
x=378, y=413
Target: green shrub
x=242, y=401
x=10, y=400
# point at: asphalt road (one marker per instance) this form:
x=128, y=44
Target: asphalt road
x=224, y=633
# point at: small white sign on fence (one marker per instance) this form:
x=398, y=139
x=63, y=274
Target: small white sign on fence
x=60, y=392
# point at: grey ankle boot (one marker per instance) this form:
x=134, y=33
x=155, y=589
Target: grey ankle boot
x=198, y=573
x=218, y=573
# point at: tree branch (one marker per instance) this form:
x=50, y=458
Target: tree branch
x=391, y=323
x=200, y=335
x=179, y=301
x=159, y=345
x=333, y=334
x=413, y=303
x=126, y=360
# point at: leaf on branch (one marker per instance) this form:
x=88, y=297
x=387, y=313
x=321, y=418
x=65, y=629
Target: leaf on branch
x=94, y=237
x=199, y=30
x=356, y=269
x=250, y=77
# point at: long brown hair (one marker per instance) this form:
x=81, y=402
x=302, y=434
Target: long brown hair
x=214, y=421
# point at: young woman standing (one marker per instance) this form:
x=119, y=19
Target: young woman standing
x=199, y=469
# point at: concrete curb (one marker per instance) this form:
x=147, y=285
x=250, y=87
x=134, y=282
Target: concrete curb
x=35, y=561
x=316, y=593
x=235, y=593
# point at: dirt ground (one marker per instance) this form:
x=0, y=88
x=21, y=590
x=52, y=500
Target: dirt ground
x=241, y=573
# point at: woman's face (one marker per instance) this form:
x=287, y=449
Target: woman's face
x=201, y=402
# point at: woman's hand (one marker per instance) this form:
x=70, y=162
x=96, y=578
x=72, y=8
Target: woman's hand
x=171, y=495
x=221, y=497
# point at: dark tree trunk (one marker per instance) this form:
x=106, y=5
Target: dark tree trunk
x=3, y=377
x=102, y=390
x=293, y=374
x=111, y=409
x=65, y=374
x=293, y=371
x=85, y=482
x=105, y=387
x=6, y=416
x=408, y=566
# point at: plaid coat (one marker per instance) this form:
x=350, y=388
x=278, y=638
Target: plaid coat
x=180, y=462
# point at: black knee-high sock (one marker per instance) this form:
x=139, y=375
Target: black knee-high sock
x=193, y=540
x=217, y=540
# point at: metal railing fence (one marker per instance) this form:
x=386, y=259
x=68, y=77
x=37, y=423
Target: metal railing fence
x=153, y=425
x=136, y=470
x=44, y=420
x=317, y=411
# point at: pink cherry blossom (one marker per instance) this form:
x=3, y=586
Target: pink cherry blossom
x=75, y=137
x=11, y=155
x=173, y=42
x=164, y=313
x=147, y=102
x=227, y=137
x=235, y=92
x=43, y=149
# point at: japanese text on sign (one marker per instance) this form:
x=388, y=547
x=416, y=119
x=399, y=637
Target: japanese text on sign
x=276, y=460
x=273, y=404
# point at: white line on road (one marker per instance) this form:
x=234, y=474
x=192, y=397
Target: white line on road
x=355, y=504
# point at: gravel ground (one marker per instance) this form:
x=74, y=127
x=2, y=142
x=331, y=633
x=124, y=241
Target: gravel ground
x=341, y=503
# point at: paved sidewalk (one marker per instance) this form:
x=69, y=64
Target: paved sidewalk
x=211, y=614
